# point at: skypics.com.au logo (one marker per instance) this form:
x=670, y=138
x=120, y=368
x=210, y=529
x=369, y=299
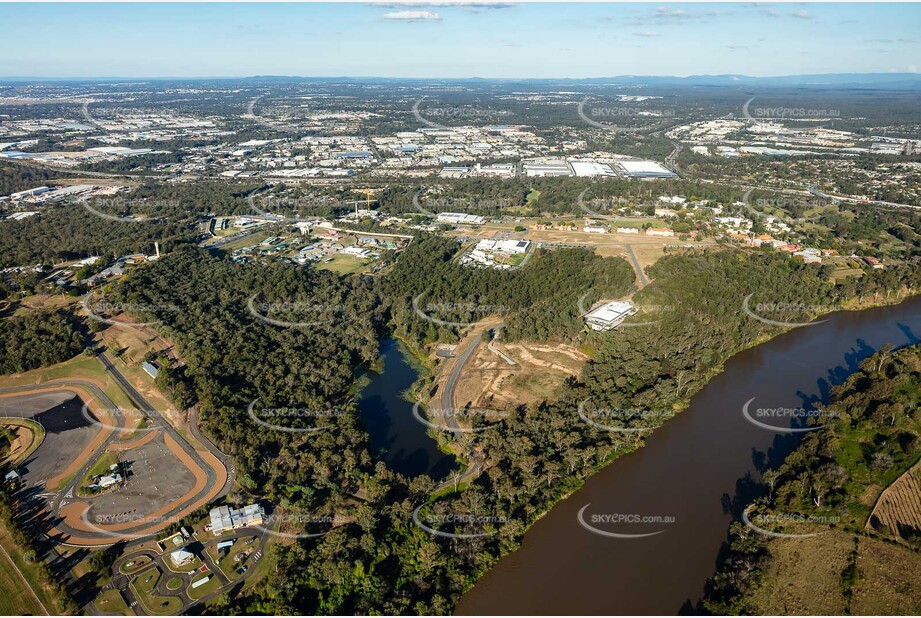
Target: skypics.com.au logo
x=615, y=525
x=456, y=114
x=626, y=418
x=97, y=309
x=759, y=311
x=285, y=418
x=321, y=313
x=781, y=112
x=464, y=525
x=425, y=310
x=611, y=118
x=796, y=419
x=448, y=420
x=786, y=204
x=759, y=521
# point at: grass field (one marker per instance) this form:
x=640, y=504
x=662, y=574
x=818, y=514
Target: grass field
x=112, y=602
x=174, y=583
x=343, y=264
x=20, y=597
x=77, y=368
x=146, y=582
x=805, y=577
x=17, y=598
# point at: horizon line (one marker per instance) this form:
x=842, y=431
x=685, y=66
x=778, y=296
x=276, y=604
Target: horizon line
x=472, y=77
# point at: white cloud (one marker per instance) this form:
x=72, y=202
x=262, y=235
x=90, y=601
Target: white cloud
x=667, y=11
x=412, y=16
x=649, y=35
x=473, y=4
x=801, y=14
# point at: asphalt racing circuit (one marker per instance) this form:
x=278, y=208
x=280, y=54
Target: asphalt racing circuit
x=165, y=477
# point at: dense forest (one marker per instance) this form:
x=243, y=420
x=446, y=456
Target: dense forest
x=15, y=178
x=69, y=231
x=871, y=435
x=537, y=302
x=382, y=562
x=38, y=339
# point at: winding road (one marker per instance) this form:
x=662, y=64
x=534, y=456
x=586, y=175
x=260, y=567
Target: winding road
x=66, y=534
x=475, y=460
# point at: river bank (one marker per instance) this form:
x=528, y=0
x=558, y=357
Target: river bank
x=511, y=570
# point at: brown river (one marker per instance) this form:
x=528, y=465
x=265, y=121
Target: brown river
x=682, y=488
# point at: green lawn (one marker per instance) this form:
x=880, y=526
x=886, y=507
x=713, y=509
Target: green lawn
x=28, y=571
x=343, y=264
x=100, y=468
x=139, y=563
x=17, y=598
x=146, y=582
x=112, y=602
x=205, y=589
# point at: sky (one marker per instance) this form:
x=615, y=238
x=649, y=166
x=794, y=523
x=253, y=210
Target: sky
x=456, y=40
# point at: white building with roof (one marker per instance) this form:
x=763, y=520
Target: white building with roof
x=609, y=315
x=181, y=557
x=456, y=218
x=644, y=169
x=225, y=518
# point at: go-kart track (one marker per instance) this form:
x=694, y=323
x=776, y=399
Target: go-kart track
x=164, y=477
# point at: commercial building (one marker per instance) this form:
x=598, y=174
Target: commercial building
x=644, y=169
x=547, y=168
x=591, y=168
x=225, y=518
x=30, y=193
x=503, y=246
x=609, y=315
x=458, y=218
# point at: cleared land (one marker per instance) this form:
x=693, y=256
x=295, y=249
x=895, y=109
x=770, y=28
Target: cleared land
x=899, y=506
x=804, y=577
x=489, y=381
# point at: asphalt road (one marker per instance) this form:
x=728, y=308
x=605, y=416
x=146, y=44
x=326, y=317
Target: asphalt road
x=69, y=491
x=121, y=582
x=475, y=459
x=636, y=266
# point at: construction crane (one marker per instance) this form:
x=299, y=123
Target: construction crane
x=367, y=193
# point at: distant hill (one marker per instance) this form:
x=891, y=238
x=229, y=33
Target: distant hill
x=887, y=81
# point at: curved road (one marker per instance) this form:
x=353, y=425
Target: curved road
x=121, y=581
x=69, y=491
x=475, y=459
